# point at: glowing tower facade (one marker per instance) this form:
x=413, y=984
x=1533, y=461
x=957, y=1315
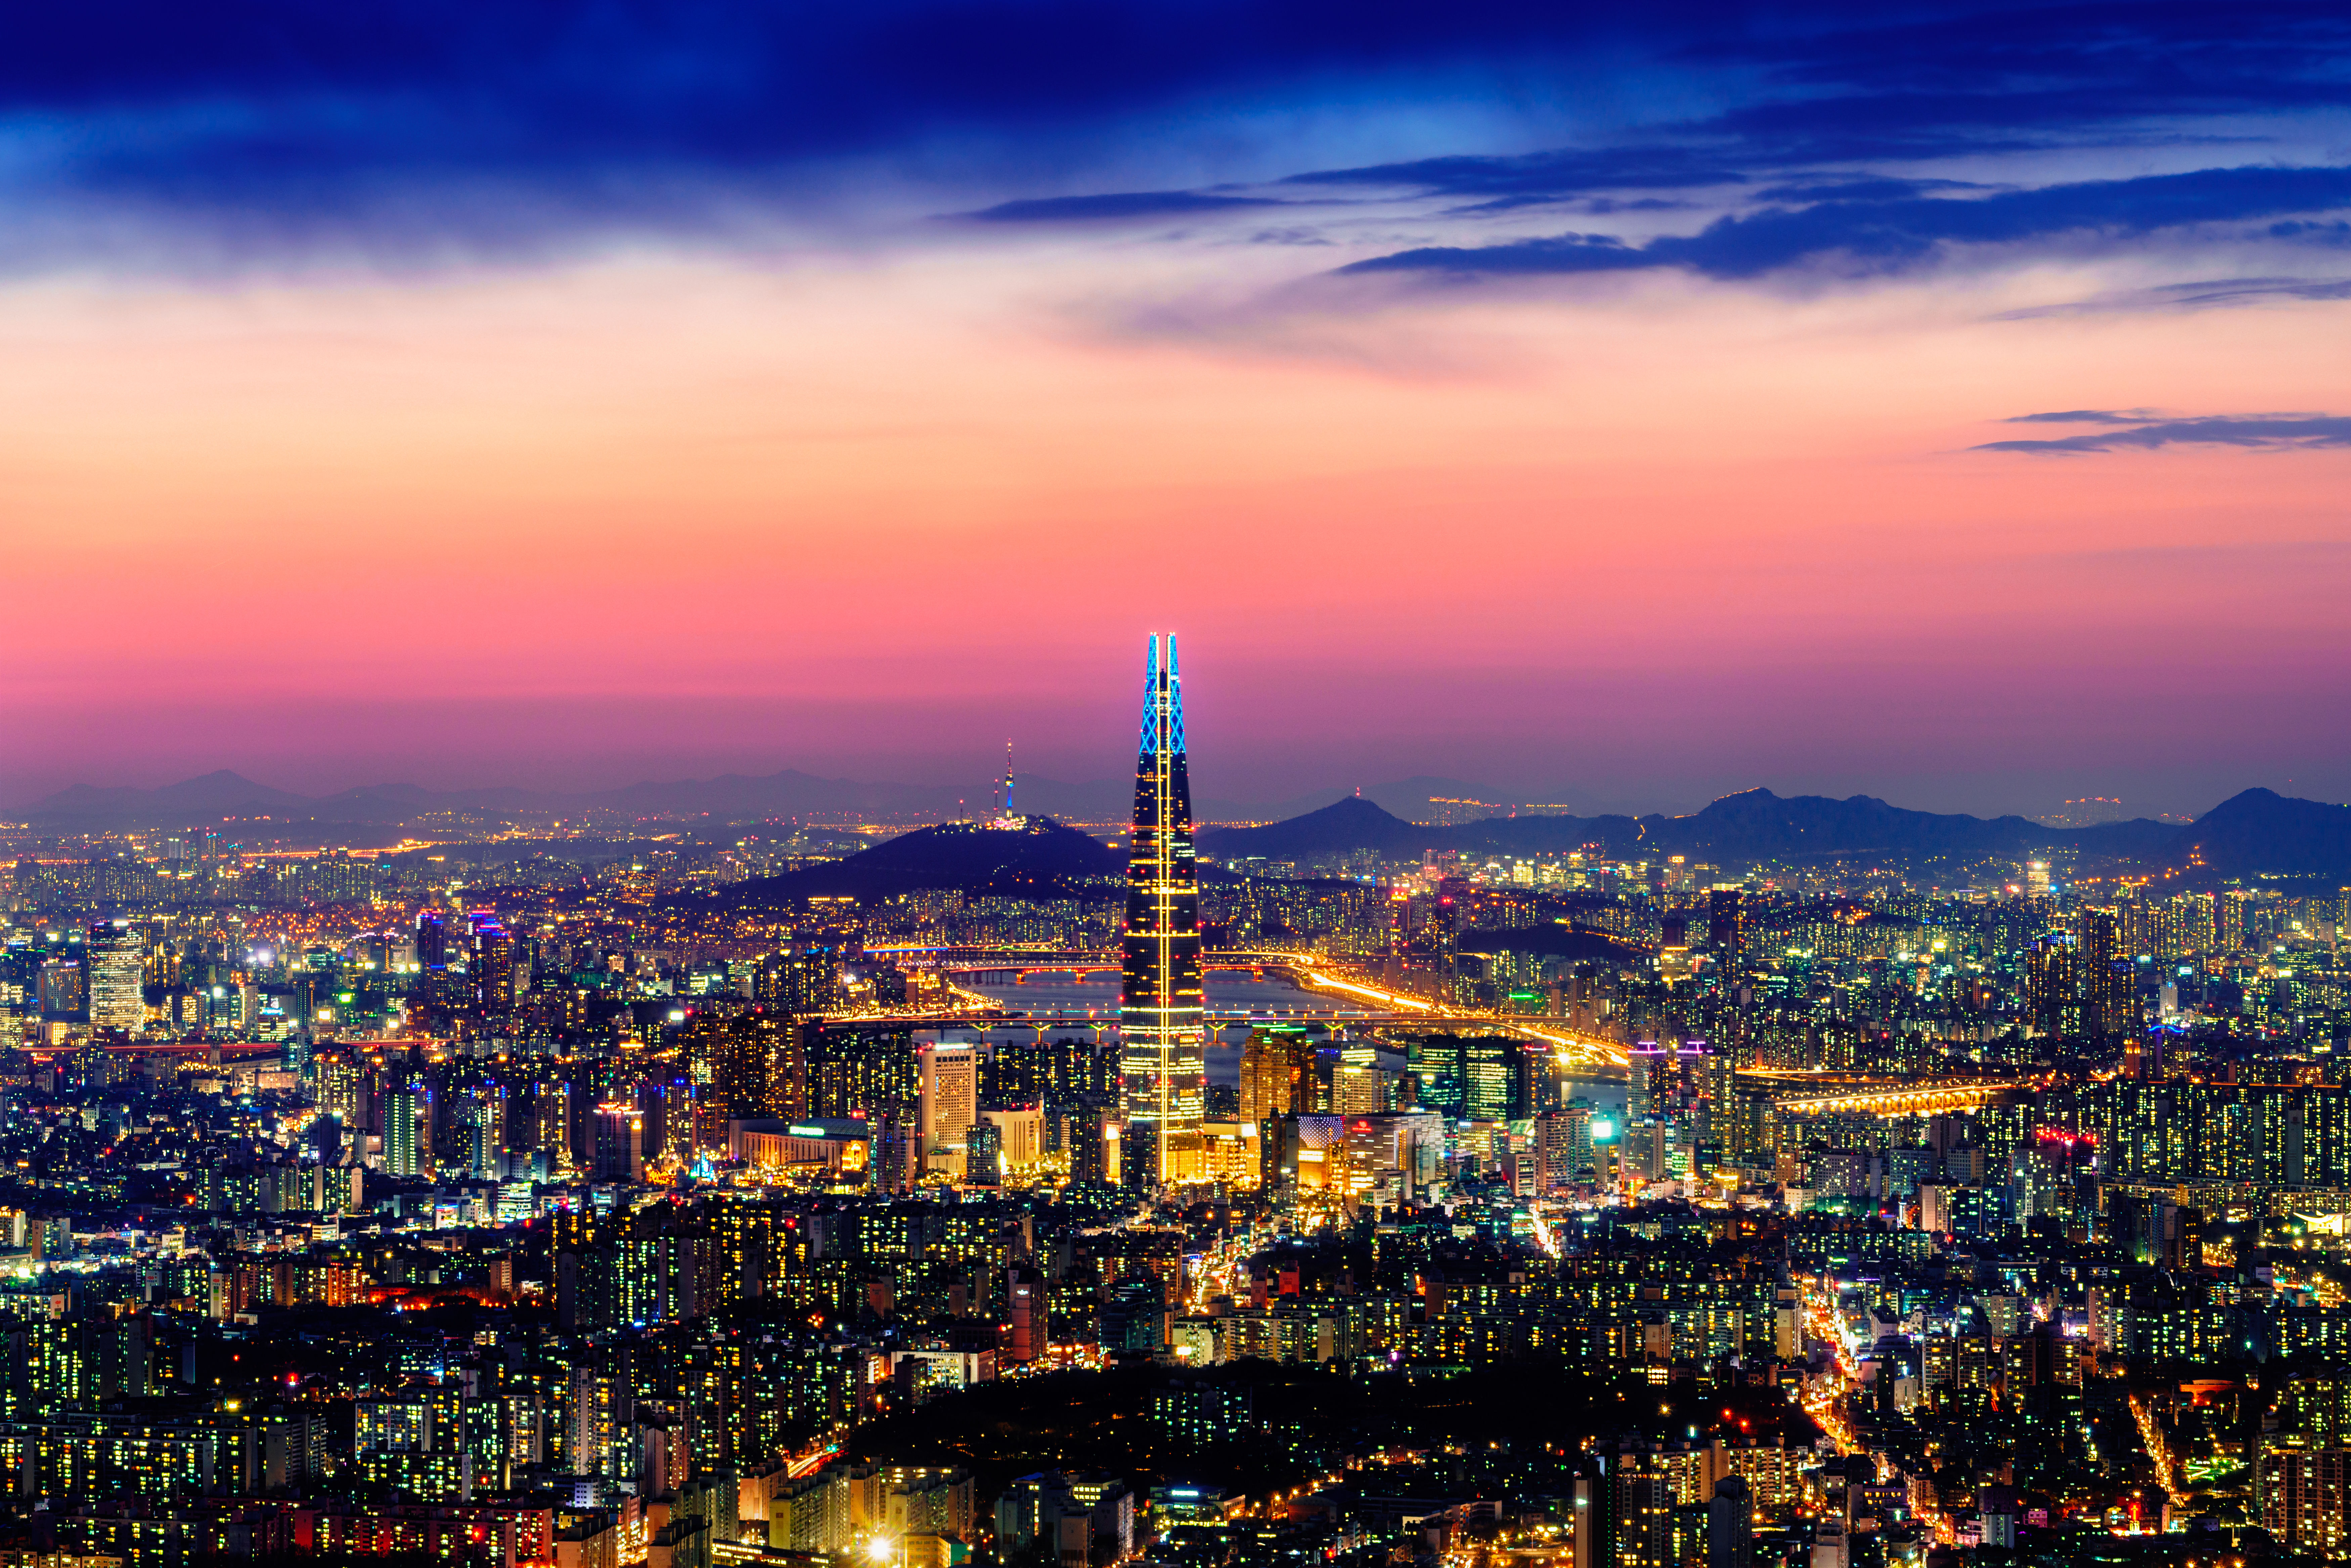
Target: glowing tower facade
x=1162, y=1060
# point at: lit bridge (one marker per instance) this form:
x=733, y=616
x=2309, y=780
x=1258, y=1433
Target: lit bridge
x=1915, y=1099
x=1016, y=966
x=1577, y=1051
x=178, y=1048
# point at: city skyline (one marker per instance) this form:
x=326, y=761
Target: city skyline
x=1808, y=1184
x=1730, y=947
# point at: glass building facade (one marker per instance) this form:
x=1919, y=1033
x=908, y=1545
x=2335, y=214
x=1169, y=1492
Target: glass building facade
x=1162, y=1063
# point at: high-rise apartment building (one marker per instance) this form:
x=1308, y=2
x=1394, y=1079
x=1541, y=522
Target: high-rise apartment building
x=2052, y=987
x=482, y=1125
x=402, y=1109
x=491, y=965
x=1726, y=930
x=432, y=941
x=431, y=995
x=1162, y=1067
x=2108, y=979
x=2229, y=921
x=2305, y=1495
x=619, y=1142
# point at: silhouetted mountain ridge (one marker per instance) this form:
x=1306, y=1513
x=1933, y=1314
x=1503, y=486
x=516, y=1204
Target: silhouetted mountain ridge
x=2259, y=831
x=1351, y=823
x=733, y=798
x=2250, y=833
x=2255, y=832
x=1039, y=859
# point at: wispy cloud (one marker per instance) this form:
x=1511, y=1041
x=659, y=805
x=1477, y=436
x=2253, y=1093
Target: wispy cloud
x=1543, y=176
x=1891, y=235
x=2203, y=294
x=1862, y=188
x=2139, y=431
x=1123, y=205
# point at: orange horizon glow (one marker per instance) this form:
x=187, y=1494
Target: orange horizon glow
x=863, y=513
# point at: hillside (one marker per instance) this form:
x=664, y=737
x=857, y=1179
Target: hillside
x=1039, y=859
x=1758, y=825
x=2259, y=831
x=1352, y=823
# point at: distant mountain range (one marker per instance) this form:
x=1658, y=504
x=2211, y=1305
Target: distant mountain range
x=2249, y=835
x=731, y=798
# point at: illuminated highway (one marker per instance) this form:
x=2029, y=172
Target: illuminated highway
x=1826, y=1406
x=2150, y=1432
x=1574, y=1046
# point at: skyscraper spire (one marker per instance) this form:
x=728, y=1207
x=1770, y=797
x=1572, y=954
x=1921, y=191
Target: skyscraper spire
x=1162, y=1056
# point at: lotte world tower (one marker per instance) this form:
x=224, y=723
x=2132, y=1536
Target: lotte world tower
x=1161, y=1062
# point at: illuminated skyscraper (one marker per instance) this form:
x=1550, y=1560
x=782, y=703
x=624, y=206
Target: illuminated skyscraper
x=1162, y=1062
x=1277, y=1072
x=950, y=1105
x=116, y=962
x=491, y=965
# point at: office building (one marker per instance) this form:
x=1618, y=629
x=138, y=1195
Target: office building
x=113, y=957
x=948, y=1102
x=1162, y=1068
x=1276, y=1074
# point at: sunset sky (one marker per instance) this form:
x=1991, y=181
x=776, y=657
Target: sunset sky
x=1953, y=404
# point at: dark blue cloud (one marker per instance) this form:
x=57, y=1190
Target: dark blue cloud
x=1541, y=176
x=257, y=91
x=1603, y=205
x=1551, y=254
x=1859, y=189
x=427, y=128
x=1887, y=236
x=415, y=123
x=1598, y=207
x=1126, y=205
x=1985, y=81
x=2036, y=68
x=2272, y=431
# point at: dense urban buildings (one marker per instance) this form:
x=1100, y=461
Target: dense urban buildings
x=1601, y=1192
